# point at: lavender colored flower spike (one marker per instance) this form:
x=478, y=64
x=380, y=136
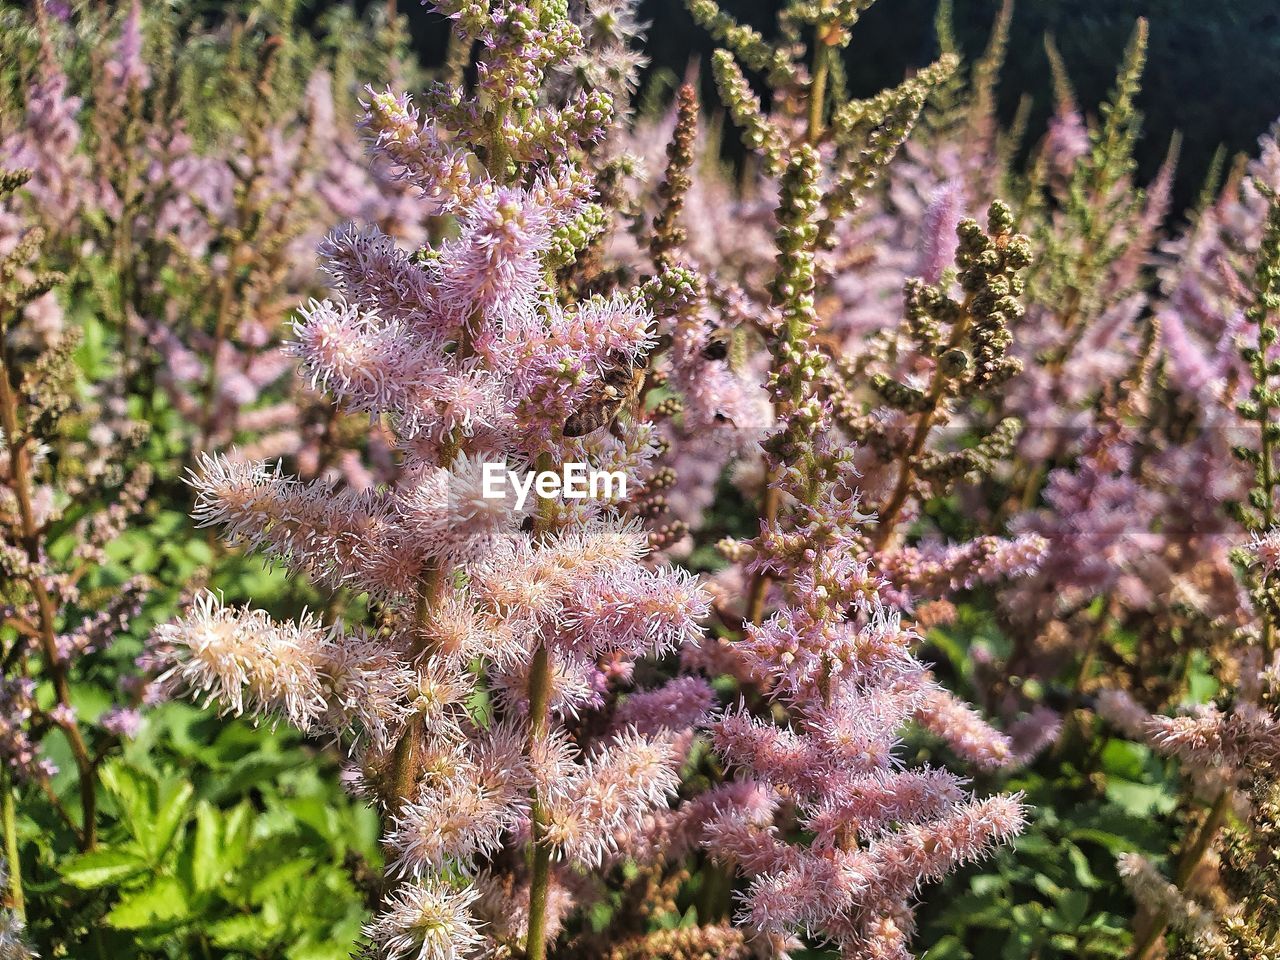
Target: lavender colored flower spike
x=939, y=241
x=485, y=366
x=68, y=475
x=127, y=70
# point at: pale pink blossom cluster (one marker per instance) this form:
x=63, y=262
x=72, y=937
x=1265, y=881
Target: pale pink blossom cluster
x=473, y=358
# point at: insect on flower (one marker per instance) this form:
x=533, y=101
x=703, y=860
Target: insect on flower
x=619, y=388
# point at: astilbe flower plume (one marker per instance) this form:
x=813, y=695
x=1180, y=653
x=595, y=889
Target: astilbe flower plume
x=839, y=658
x=912, y=309
x=473, y=357
x=1095, y=411
x=1228, y=749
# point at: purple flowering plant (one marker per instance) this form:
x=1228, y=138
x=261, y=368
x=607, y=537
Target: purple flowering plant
x=867, y=552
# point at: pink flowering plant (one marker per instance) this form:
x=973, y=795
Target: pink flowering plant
x=498, y=634
x=500, y=520
x=475, y=706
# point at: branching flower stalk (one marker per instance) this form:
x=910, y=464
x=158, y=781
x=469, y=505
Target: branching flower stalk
x=19, y=443
x=861, y=138
x=61, y=454
x=944, y=363
x=1260, y=407
x=990, y=275
x=1243, y=739
x=839, y=661
x=477, y=704
x=818, y=816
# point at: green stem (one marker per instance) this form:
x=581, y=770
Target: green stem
x=1091, y=650
x=17, y=901
x=818, y=89
x=540, y=869
x=1212, y=824
x=1268, y=486
x=1147, y=941
x=888, y=513
x=404, y=766
x=539, y=725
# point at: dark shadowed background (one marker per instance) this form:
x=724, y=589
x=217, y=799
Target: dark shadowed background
x=1213, y=70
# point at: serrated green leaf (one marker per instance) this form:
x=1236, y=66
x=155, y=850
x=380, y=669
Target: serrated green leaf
x=1140, y=798
x=245, y=932
x=206, y=848
x=159, y=905
x=279, y=877
x=172, y=803
x=237, y=824
x=98, y=868
x=253, y=770
x=135, y=794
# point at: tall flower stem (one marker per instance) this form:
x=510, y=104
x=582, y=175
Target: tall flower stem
x=1200, y=846
x=404, y=765
x=818, y=89
x=888, y=514
x=771, y=501
x=540, y=867
x=539, y=721
x=20, y=483
x=1148, y=940
x=16, y=899
x=792, y=291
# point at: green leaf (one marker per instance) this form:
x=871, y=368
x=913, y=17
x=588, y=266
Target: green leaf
x=321, y=951
x=135, y=795
x=159, y=905
x=237, y=824
x=1019, y=946
x=1122, y=758
x=1072, y=908
x=249, y=933
x=1140, y=798
x=947, y=948
x=986, y=884
x=600, y=916
x=98, y=868
x=319, y=815
x=1047, y=886
x=171, y=810
x=199, y=552
x=1084, y=876
x=1112, y=842
x=1202, y=685
x=206, y=854
x=278, y=878
x=253, y=770
x=1035, y=845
